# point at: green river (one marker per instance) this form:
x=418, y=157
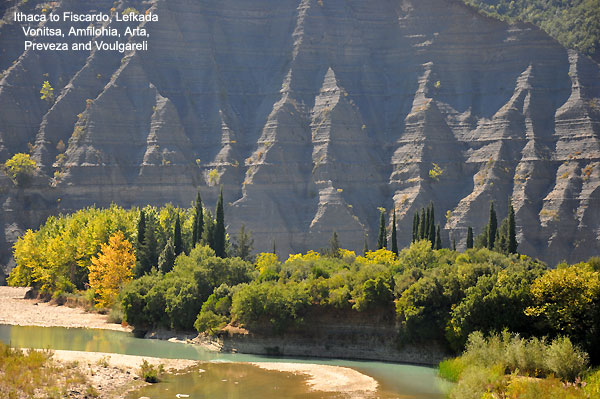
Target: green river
x=221, y=375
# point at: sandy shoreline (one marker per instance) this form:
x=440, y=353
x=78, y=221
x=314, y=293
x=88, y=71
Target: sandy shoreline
x=15, y=310
x=114, y=374
x=327, y=378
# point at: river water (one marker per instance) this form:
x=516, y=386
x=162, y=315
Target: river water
x=222, y=375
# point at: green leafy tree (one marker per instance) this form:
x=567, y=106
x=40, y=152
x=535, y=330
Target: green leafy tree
x=20, y=168
x=566, y=301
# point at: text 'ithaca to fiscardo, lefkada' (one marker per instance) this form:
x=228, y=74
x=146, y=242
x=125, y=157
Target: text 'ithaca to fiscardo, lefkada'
x=123, y=31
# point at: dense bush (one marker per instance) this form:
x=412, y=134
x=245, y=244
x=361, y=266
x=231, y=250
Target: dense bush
x=275, y=303
x=174, y=300
x=495, y=367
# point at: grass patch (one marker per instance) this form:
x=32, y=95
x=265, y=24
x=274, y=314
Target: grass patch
x=451, y=369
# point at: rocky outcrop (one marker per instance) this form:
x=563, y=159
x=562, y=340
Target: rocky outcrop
x=313, y=113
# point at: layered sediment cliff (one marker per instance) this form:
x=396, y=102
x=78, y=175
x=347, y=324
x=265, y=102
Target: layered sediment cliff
x=311, y=114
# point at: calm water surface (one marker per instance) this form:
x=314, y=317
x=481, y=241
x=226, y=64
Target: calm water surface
x=219, y=377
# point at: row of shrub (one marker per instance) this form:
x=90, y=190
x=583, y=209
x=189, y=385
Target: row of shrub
x=435, y=295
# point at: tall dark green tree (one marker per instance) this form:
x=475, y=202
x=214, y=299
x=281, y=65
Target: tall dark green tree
x=148, y=254
x=141, y=229
x=208, y=236
x=177, y=239
x=427, y=227
x=242, y=244
x=438, y=238
x=469, y=237
x=166, y=260
x=512, y=230
x=454, y=244
x=219, y=237
x=365, y=246
x=501, y=243
x=198, y=222
x=415, y=229
x=382, y=238
x=334, y=245
x=139, y=247
x=394, y=238
x=422, y=225
x=431, y=229
x=492, y=227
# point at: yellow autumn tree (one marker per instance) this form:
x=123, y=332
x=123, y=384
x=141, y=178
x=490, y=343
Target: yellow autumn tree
x=111, y=269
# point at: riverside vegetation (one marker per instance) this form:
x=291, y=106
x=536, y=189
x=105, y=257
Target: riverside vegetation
x=178, y=269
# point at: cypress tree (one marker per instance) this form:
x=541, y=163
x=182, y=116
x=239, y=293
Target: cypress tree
x=366, y=246
x=198, y=223
x=432, y=226
x=141, y=229
x=140, y=253
x=274, y=251
x=149, y=249
x=415, y=227
x=438, y=238
x=512, y=230
x=382, y=238
x=334, y=245
x=219, y=232
x=422, y=225
x=469, y=237
x=166, y=260
x=208, y=236
x=492, y=227
x=394, y=239
x=242, y=246
x=426, y=228
x=177, y=240
x=454, y=244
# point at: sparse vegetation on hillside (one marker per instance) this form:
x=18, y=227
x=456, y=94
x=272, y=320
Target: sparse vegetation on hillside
x=574, y=23
x=20, y=168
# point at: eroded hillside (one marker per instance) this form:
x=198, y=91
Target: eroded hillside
x=311, y=114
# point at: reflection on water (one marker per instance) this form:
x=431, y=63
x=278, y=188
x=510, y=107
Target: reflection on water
x=399, y=379
x=232, y=381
